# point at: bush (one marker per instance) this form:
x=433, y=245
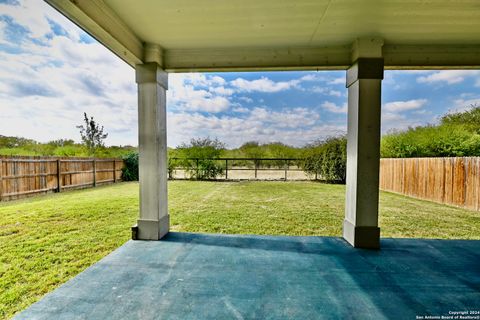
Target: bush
x=327, y=159
x=207, y=168
x=431, y=141
x=469, y=118
x=457, y=135
x=130, y=169
x=198, y=158
x=251, y=149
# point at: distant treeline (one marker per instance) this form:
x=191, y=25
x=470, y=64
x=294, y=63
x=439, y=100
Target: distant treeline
x=17, y=146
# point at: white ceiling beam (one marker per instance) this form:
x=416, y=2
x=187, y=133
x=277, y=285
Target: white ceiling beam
x=432, y=57
x=97, y=19
x=252, y=59
x=320, y=58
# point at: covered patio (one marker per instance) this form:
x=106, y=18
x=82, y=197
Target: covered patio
x=204, y=276
x=212, y=276
x=158, y=37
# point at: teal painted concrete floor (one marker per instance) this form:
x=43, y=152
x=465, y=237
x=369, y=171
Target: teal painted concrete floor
x=202, y=276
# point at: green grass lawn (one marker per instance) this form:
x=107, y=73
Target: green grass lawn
x=46, y=240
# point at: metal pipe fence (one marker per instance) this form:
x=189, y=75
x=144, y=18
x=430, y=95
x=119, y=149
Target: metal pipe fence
x=227, y=168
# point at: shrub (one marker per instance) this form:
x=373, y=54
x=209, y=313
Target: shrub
x=469, y=118
x=252, y=149
x=206, y=169
x=327, y=159
x=198, y=158
x=130, y=169
x=431, y=141
x=457, y=135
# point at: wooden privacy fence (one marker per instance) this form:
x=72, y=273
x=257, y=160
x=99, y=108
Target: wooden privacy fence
x=26, y=176
x=454, y=181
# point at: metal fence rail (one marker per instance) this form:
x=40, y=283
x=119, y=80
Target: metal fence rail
x=255, y=165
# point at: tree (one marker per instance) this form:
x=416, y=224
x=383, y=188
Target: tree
x=92, y=134
x=252, y=149
x=130, y=169
x=470, y=118
x=199, y=157
x=61, y=142
x=327, y=159
x=202, y=148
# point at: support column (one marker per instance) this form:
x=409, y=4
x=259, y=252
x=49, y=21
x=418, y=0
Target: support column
x=364, y=80
x=152, y=81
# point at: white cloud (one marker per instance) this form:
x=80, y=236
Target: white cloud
x=423, y=111
x=332, y=107
x=326, y=91
x=310, y=77
x=36, y=16
x=448, y=76
x=198, y=92
x=335, y=93
x=468, y=102
x=394, y=121
x=295, y=126
x=399, y=106
x=241, y=110
x=390, y=116
x=263, y=84
x=246, y=99
x=30, y=15
x=465, y=104
x=339, y=80
x=223, y=91
x=51, y=81
x=215, y=104
x=218, y=80
x=3, y=37
x=290, y=118
x=409, y=71
x=201, y=79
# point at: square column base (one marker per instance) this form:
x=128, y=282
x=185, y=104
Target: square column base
x=151, y=229
x=361, y=236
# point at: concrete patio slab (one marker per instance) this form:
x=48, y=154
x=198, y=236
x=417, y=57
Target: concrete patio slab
x=203, y=276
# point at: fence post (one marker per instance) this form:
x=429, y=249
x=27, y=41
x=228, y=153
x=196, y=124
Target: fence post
x=226, y=169
x=197, y=168
x=316, y=176
x=59, y=176
x=94, y=172
x=256, y=167
x=286, y=169
x=1, y=180
x=114, y=170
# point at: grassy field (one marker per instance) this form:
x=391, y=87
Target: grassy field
x=44, y=241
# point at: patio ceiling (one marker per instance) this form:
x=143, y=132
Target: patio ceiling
x=214, y=35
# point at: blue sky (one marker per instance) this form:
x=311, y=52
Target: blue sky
x=51, y=72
